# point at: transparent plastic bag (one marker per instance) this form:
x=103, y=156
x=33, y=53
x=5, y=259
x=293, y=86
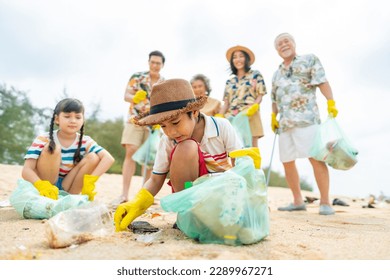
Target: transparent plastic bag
x=231, y=208
x=79, y=225
x=31, y=205
x=146, y=154
x=240, y=122
x=333, y=147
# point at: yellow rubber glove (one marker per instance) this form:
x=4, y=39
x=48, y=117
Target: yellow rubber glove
x=219, y=116
x=332, y=108
x=252, y=110
x=156, y=127
x=46, y=189
x=89, y=186
x=253, y=152
x=139, y=96
x=274, y=123
x=128, y=211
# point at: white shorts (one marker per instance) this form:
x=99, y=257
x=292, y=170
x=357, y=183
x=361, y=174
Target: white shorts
x=296, y=142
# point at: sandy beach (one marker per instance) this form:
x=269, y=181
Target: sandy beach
x=353, y=233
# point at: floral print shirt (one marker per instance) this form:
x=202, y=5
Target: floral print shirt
x=140, y=81
x=242, y=93
x=294, y=91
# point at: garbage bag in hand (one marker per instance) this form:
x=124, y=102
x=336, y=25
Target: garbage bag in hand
x=31, y=205
x=240, y=122
x=332, y=146
x=231, y=208
x=146, y=154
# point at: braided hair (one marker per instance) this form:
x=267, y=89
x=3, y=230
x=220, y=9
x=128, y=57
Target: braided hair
x=67, y=105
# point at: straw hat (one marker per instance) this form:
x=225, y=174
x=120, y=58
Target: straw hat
x=168, y=100
x=230, y=52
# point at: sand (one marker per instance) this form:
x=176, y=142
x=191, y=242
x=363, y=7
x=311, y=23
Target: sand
x=353, y=233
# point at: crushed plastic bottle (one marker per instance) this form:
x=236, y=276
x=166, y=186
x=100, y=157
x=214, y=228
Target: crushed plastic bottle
x=79, y=225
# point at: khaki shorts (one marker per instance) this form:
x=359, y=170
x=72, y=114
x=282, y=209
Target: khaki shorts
x=134, y=134
x=256, y=125
x=296, y=142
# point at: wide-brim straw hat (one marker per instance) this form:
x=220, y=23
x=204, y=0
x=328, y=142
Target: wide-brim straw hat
x=168, y=100
x=230, y=52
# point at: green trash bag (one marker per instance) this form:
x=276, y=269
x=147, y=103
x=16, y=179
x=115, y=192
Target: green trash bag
x=332, y=146
x=31, y=205
x=146, y=154
x=241, y=125
x=231, y=208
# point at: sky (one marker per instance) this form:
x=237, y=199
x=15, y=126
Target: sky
x=91, y=48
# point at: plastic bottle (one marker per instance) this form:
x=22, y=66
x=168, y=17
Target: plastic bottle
x=78, y=225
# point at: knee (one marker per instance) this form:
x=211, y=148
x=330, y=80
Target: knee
x=56, y=151
x=92, y=159
x=316, y=163
x=130, y=150
x=187, y=149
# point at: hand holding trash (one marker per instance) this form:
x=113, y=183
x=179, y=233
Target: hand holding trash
x=128, y=211
x=274, y=122
x=89, y=186
x=252, y=109
x=253, y=152
x=332, y=108
x=46, y=189
x=139, y=96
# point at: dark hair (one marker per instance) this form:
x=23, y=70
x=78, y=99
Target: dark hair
x=157, y=53
x=190, y=116
x=247, y=66
x=204, y=79
x=67, y=105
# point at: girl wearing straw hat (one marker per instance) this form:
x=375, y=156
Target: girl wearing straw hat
x=192, y=145
x=244, y=90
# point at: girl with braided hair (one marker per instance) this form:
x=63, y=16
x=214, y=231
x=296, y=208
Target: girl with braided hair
x=65, y=158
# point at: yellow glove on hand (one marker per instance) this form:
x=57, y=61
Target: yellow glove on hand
x=156, y=127
x=274, y=122
x=46, y=189
x=252, y=110
x=332, y=108
x=128, y=211
x=253, y=152
x=219, y=116
x=89, y=186
x=139, y=96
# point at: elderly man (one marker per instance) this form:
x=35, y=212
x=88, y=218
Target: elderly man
x=293, y=96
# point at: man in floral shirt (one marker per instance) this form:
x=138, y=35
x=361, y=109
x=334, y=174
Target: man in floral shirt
x=137, y=95
x=293, y=96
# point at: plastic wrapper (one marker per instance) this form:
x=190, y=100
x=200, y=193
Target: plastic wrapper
x=29, y=204
x=333, y=147
x=146, y=154
x=231, y=208
x=78, y=225
x=240, y=122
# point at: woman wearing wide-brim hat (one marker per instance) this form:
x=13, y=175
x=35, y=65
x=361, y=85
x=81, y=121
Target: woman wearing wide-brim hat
x=244, y=90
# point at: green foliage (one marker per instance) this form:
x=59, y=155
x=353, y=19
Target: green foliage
x=277, y=180
x=108, y=135
x=18, y=123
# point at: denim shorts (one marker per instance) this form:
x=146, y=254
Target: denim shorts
x=59, y=183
